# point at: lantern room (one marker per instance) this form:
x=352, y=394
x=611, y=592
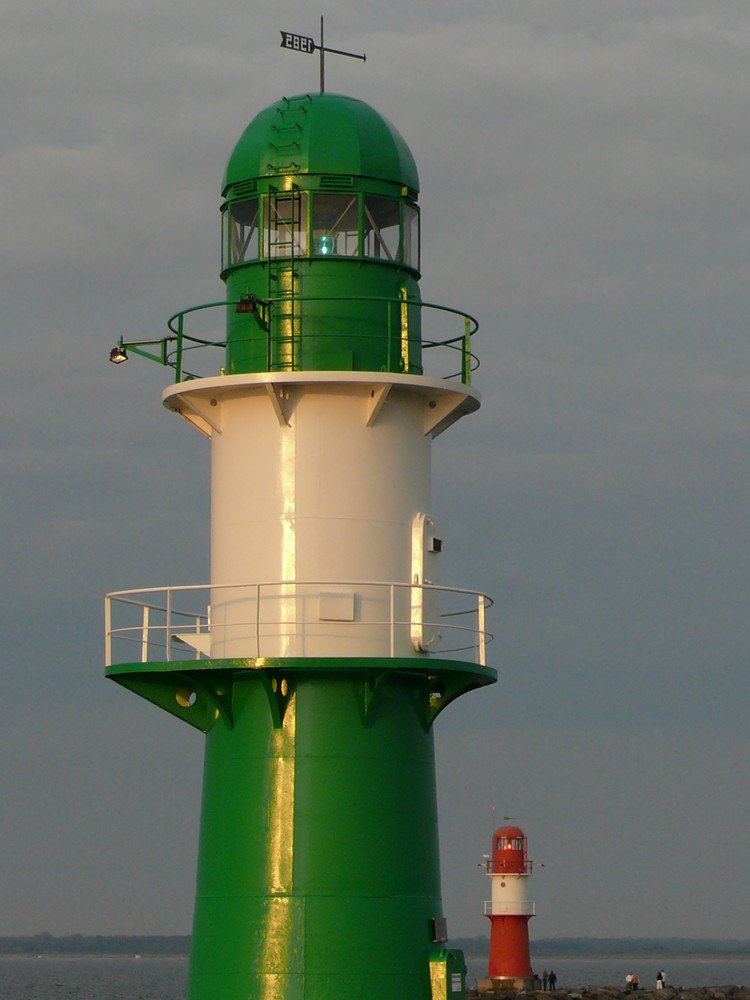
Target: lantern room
x=320, y=241
x=509, y=851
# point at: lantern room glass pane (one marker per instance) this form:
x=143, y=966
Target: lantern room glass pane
x=411, y=236
x=335, y=225
x=243, y=231
x=285, y=233
x=382, y=219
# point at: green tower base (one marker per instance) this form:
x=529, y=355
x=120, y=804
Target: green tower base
x=318, y=872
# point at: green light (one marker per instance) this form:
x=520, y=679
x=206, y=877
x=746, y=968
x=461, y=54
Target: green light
x=324, y=245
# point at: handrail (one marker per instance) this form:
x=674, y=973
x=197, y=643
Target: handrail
x=172, y=349
x=159, y=611
x=490, y=866
x=182, y=587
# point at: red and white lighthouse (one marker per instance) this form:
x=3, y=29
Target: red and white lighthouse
x=509, y=909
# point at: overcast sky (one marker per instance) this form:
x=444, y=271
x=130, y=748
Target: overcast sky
x=584, y=167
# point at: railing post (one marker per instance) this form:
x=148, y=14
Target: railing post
x=389, y=352
x=257, y=620
x=269, y=334
x=107, y=632
x=466, y=353
x=393, y=619
x=481, y=630
x=144, y=635
x=178, y=356
x=169, y=625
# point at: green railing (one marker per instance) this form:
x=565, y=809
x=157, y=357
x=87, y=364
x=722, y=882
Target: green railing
x=176, y=350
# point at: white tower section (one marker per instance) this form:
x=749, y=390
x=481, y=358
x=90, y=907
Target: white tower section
x=316, y=478
x=510, y=895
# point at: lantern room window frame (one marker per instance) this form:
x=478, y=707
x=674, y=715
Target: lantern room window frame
x=510, y=844
x=269, y=226
x=381, y=216
x=241, y=228
x=331, y=220
x=283, y=232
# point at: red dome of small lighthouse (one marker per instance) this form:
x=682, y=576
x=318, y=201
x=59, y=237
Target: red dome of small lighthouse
x=509, y=851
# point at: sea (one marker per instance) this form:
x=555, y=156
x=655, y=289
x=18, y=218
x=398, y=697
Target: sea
x=105, y=978
x=99, y=978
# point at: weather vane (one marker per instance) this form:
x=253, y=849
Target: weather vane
x=303, y=43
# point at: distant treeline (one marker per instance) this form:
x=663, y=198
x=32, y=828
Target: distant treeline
x=581, y=947
x=179, y=944
x=99, y=944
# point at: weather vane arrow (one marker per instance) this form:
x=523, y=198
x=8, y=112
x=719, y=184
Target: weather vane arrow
x=303, y=43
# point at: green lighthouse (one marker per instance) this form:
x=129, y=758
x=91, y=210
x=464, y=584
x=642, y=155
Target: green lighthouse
x=324, y=646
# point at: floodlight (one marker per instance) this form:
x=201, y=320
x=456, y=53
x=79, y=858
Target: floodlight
x=118, y=354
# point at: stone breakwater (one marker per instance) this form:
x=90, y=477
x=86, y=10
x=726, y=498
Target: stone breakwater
x=612, y=993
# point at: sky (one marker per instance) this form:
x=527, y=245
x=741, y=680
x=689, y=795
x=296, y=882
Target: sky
x=584, y=191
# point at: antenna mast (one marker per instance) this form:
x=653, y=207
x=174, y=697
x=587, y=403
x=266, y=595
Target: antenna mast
x=322, y=59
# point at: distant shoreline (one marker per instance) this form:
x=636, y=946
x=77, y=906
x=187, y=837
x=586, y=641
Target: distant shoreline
x=111, y=946
x=28, y=956
x=579, y=949
x=695, y=956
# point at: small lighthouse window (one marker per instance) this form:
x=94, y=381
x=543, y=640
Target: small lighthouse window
x=243, y=231
x=381, y=228
x=335, y=225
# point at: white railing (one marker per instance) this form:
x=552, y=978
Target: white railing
x=285, y=618
x=519, y=908
x=502, y=870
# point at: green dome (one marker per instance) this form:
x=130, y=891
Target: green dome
x=321, y=134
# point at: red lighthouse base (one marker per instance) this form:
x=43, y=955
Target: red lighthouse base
x=510, y=959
